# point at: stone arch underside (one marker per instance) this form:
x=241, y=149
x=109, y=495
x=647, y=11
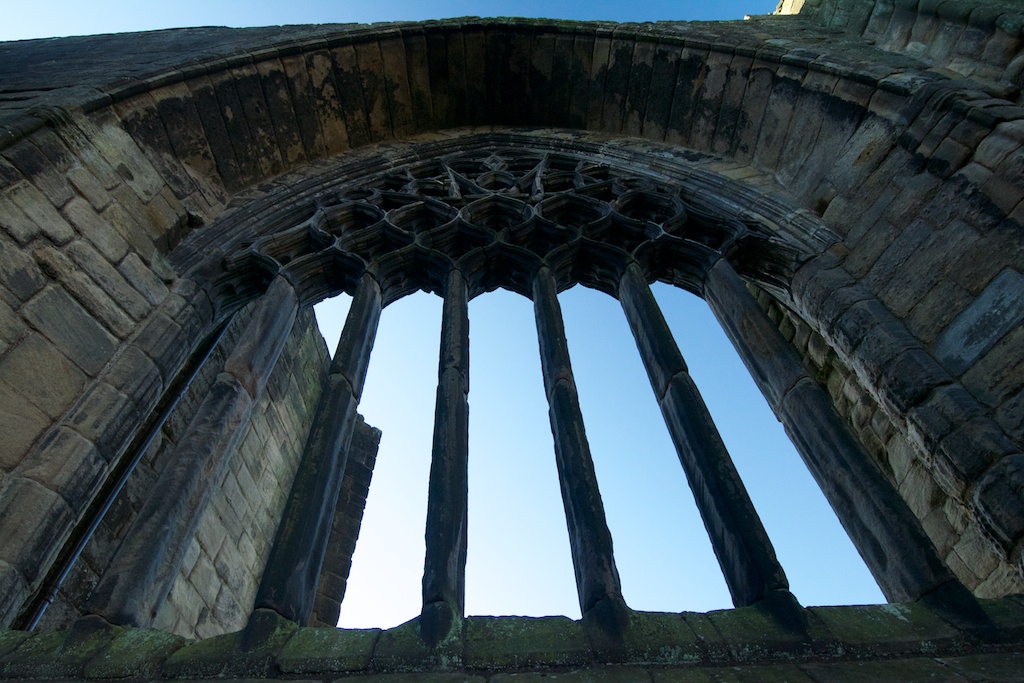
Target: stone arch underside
x=778, y=119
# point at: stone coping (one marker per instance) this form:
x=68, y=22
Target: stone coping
x=904, y=641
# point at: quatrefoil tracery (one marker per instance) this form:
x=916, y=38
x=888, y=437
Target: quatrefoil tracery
x=497, y=217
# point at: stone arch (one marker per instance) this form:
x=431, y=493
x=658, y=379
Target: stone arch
x=884, y=152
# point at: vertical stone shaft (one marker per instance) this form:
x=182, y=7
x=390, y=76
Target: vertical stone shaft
x=888, y=536
x=589, y=537
x=743, y=548
x=146, y=563
x=444, y=571
x=290, y=578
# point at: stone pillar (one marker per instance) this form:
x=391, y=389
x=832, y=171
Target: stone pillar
x=144, y=566
x=597, y=579
x=290, y=578
x=743, y=548
x=891, y=540
x=444, y=571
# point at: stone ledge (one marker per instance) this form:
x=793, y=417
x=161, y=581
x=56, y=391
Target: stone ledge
x=890, y=641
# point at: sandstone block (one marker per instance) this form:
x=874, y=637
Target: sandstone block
x=95, y=229
x=23, y=423
x=69, y=465
x=85, y=289
x=121, y=152
x=107, y=418
x=977, y=329
x=41, y=212
x=107, y=277
x=143, y=279
x=33, y=520
x=89, y=187
x=18, y=272
x=73, y=331
x=919, y=490
x=34, y=165
x=14, y=221
x=122, y=220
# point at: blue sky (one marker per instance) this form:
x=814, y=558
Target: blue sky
x=519, y=559
x=22, y=20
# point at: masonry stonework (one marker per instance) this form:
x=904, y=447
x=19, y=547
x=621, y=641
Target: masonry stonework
x=857, y=165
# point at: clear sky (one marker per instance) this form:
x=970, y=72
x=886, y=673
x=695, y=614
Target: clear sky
x=519, y=559
x=21, y=20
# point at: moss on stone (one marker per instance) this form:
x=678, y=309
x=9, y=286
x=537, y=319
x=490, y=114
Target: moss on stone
x=661, y=638
x=10, y=640
x=876, y=629
x=523, y=642
x=402, y=649
x=60, y=653
x=249, y=652
x=135, y=653
x=314, y=650
x=752, y=634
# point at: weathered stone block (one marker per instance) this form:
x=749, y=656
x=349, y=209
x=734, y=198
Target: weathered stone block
x=998, y=309
x=18, y=272
x=98, y=231
x=75, y=334
x=89, y=187
x=50, y=381
x=23, y=423
x=82, y=287
x=107, y=418
x=522, y=642
x=13, y=592
x=315, y=650
x=69, y=465
x=998, y=499
x=107, y=277
x=41, y=212
x=919, y=490
x=402, y=649
x=877, y=629
x=143, y=279
x=60, y=654
x=134, y=653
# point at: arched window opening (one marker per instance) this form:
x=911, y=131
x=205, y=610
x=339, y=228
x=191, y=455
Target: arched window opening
x=662, y=550
x=384, y=585
x=519, y=560
x=821, y=562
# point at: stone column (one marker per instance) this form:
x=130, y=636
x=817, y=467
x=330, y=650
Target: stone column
x=290, y=578
x=891, y=540
x=597, y=579
x=743, y=548
x=444, y=570
x=146, y=563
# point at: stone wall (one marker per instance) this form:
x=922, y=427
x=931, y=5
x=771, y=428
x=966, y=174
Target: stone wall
x=217, y=582
x=214, y=591
x=957, y=535
x=976, y=38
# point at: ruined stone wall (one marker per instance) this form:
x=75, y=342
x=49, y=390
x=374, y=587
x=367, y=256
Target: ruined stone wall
x=957, y=535
x=976, y=38
x=217, y=582
x=914, y=170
